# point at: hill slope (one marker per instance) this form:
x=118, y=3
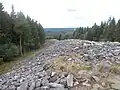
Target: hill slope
x=58, y=29
x=81, y=64
x=55, y=32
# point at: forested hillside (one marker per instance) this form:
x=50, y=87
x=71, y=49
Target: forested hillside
x=18, y=34
x=107, y=31
x=59, y=33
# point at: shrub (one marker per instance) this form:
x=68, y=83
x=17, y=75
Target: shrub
x=7, y=51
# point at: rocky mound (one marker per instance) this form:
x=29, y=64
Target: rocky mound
x=68, y=65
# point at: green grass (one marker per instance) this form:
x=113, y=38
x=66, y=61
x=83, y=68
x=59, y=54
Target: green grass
x=16, y=62
x=7, y=66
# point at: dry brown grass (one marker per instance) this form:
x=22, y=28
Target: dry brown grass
x=61, y=64
x=115, y=68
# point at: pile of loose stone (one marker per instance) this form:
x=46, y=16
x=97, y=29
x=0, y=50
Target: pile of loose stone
x=36, y=73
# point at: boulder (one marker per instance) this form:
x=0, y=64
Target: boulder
x=70, y=80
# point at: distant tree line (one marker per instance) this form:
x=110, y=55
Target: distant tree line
x=60, y=37
x=107, y=31
x=18, y=34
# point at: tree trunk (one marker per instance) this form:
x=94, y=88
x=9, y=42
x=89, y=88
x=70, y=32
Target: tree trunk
x=21, y=45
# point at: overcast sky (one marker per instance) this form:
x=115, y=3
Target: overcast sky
x=66, y=13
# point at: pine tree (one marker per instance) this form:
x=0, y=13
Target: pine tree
x=117, y=31
x=60, y=37
x=110, y=30
x=18, y=34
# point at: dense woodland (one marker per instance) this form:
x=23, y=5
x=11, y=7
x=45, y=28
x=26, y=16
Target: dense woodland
x=18, y=34
x=107, y=31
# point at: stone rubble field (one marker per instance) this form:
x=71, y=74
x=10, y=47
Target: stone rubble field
x=68, y=65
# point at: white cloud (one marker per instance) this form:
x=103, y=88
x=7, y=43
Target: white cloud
x=66, y=13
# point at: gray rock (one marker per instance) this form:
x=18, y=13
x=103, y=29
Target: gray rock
x=4, y=87
x=38, y=83
x=22, y=79
x=55, y=85
x=38, y=88
x=69, y=59
x=116, y=86
x=76, y=48
x=118, y=62
x=53, y=79
x=48, y=72
x=116, y=52
x=44, y=82
x=70, y=80
x=1, y=80
x=86, y=84
x=12, y=87
x=41, y=74
x=32, y=86
x=105, y=67
x=4, y=82
x=42, y=88
x=63, y=74
x=39, y=63
x=115, y=80
x=58, y=88
x=24, y=86
x=76, y=83
x=46, y=67
x=54, y=55
x=40, y=69
x=63, y=81
x=97, y=87
x=17, y=84
x=53, y=74
x=96, y=78
x=15, y=78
